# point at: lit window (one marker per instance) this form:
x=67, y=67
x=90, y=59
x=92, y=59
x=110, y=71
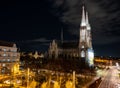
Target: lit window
x=82, y=54
x=3, y=71
x=3, y=65
x=4, y=54
x=83, y=46
x=4, y=49
x=8, y=59
x=14, y=50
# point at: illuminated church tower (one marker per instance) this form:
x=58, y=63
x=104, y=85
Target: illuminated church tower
x=70, y=49
x=85, y=41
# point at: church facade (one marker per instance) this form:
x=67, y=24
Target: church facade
x=81, y=48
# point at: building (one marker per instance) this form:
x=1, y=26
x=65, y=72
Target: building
x=9, y=58
x=81, y=48
x=65, y=49
x=85, y=41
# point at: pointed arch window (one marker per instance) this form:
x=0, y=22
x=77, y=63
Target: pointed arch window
x=82, y=35
x=83, y=46
x=83, y=53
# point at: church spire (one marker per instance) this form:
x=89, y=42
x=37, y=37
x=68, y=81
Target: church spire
x=83, y=21
x=87, y=22
x=62, y=35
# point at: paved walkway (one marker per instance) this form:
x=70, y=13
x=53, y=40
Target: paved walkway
x=99, y=74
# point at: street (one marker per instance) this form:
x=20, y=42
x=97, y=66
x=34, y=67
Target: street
x=110, y=79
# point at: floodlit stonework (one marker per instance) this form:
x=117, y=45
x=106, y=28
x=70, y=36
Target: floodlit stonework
x=9, y=57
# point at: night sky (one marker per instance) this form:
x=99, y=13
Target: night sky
x=32, y=25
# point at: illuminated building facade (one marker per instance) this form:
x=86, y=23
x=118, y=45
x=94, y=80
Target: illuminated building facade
x=82, y=48
x=63, y=49
x=9, y=58
x=85, y=43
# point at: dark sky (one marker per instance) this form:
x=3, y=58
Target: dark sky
x=33, y=24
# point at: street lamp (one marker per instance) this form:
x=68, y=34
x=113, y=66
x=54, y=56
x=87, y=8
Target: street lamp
x=73, y=79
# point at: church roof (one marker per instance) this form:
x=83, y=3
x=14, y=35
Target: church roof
x=8, y=44
x=68, y=44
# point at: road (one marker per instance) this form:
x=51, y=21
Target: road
x=111, y=79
